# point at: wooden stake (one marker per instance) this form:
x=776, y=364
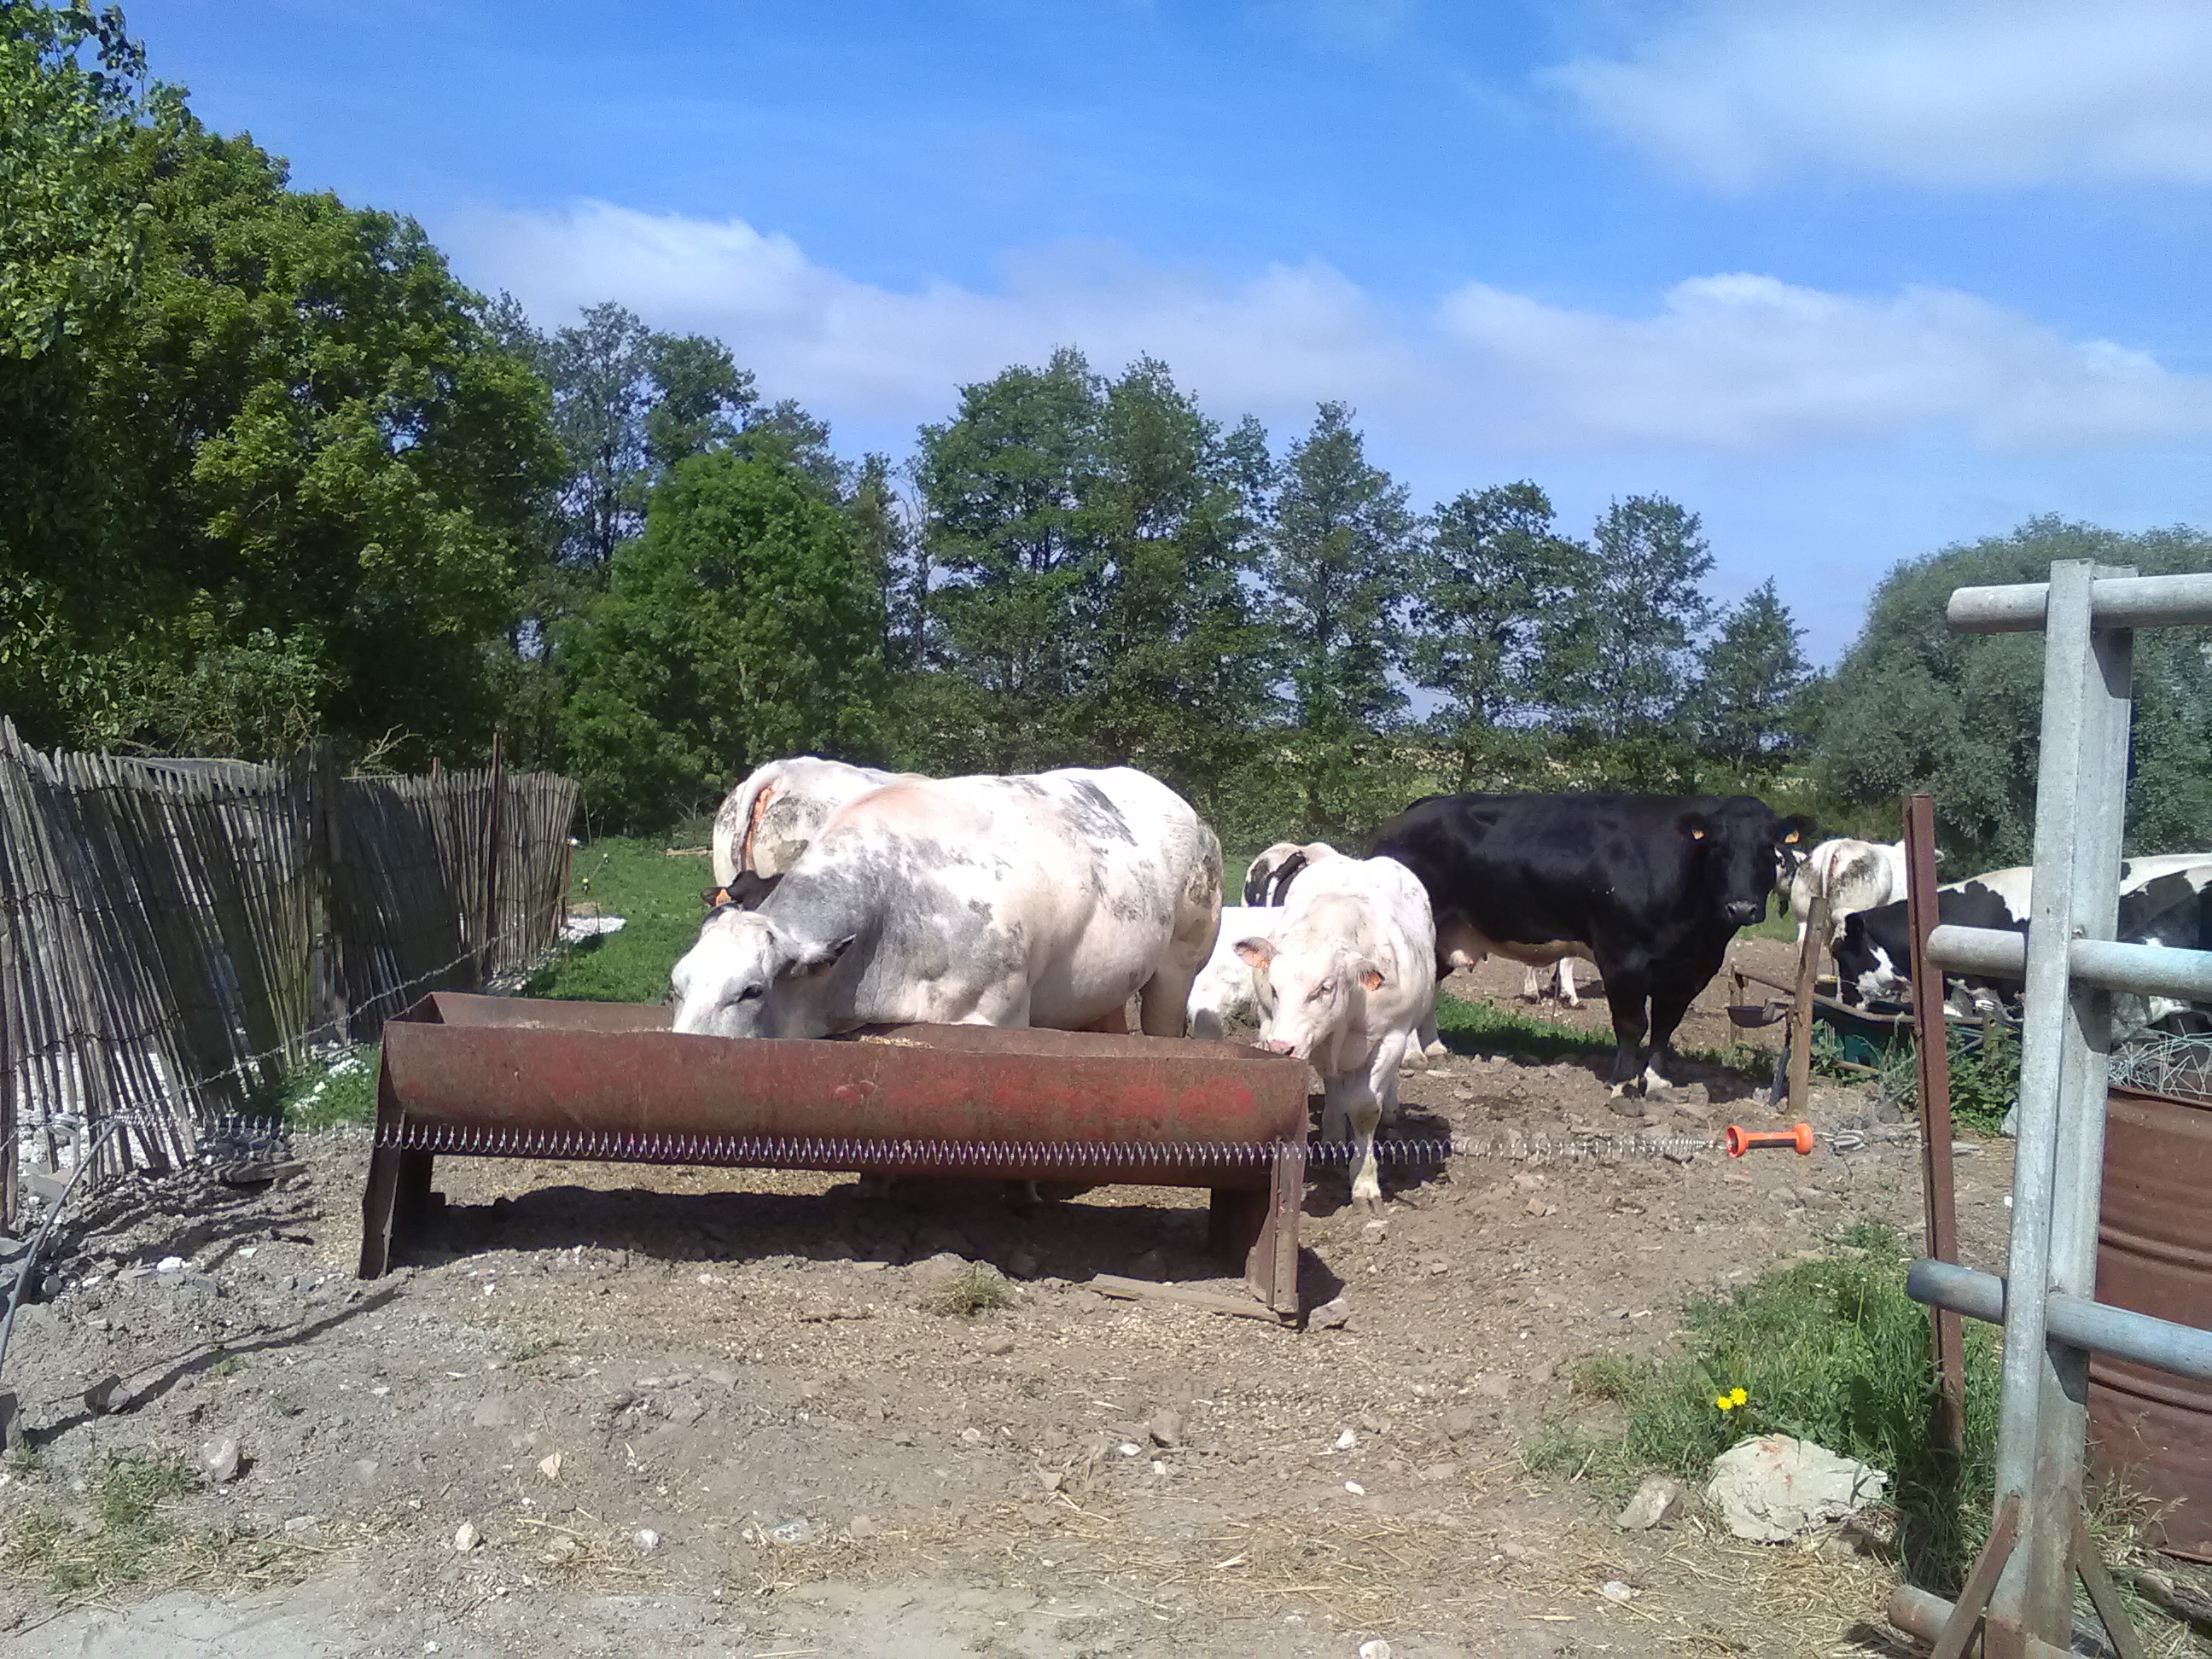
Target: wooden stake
x=1932, y=1058
x=1801, y=1015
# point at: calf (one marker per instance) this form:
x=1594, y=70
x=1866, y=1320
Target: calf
x=1654, y=886
x=1856, y=875
x=1041, y=900
x=1268, y=881
x=1343, y=978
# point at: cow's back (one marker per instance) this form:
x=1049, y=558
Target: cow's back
x=1538, y=868
x=1068, y=883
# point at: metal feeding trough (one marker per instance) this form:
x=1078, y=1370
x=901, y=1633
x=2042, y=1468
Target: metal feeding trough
x=496, y=1077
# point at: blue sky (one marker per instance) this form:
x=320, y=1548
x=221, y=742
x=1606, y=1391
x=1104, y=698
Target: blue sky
x=1852, y=280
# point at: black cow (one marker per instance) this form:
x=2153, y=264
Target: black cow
x=2164, y=900
x=1655, y=885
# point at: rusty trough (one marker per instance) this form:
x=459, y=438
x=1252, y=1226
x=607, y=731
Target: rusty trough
x=495, y=1077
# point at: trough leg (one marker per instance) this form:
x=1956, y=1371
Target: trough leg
x=1258, y=1226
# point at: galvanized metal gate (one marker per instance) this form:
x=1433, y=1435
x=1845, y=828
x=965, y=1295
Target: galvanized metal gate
x=2071, y=966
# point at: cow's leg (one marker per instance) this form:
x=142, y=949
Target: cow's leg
x=1427, y=1041
x=1335, y=1099
x=1671, y=996
x=1532, y=984
x=1370, y=1090
x=1627, y=988
x=1567, y=982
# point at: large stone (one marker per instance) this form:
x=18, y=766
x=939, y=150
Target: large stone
x=1660, y=1499
x=219, y=1461
x=1772, y=1488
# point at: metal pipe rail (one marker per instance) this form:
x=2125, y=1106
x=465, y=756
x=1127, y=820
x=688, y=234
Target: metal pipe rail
x=2126, y=1334
x=2142, y=970
x=2114, y=602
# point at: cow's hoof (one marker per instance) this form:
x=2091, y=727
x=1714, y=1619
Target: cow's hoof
x=1369, y=1205
x=1655, y=1082
x=1436, y=1050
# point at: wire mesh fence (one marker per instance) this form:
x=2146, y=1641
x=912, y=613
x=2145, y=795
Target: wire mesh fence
x=176, y=935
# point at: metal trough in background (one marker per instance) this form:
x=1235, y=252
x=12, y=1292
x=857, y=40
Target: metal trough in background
x=497, y=1077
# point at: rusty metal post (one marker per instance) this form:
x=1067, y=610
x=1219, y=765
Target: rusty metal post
x=1932, y=1059
x=1801, y=1012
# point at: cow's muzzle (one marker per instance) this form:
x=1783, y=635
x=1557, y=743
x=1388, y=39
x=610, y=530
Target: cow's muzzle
x=1743, y=914
x=1277, y=1046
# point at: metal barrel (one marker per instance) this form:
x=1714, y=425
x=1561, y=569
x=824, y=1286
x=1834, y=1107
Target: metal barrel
x=2149, y=1428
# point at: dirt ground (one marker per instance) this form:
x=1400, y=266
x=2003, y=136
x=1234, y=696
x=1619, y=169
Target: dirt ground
x=712, y=1412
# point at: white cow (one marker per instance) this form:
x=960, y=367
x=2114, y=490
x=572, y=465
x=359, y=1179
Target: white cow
x=1856, y=875
x=1043, y=900
x=767, y=820
x=1267, y=883
x=1223, y=990
x=1344, y=980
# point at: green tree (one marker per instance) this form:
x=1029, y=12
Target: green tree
x=1340, y=562
x=629, y=402
x=743, y=624
x=1750, y=675
x=309, y=476
x=1005, y=486
x=1493, y=570
x=1175, y=670
x=1616, y=656
x=1914, y=706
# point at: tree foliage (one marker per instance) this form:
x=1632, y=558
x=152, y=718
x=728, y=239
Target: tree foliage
x=282, y=480
x=1751, y=677
x=743, y=624
x=1915, y=706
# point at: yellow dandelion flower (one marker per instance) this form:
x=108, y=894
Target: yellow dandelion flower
x=1723, y=1403
x=1737, y=1396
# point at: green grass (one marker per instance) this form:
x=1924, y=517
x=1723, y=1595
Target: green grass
x=125, y=1529
x=317, y=1096
x=657, y=896
x=1832, y=1351
x=1469, y=1028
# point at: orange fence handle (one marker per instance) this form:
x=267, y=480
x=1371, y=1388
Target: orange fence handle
x=1798, y=1137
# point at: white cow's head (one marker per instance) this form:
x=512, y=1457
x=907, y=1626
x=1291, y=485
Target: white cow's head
x=1308, y=995
x=747, y=977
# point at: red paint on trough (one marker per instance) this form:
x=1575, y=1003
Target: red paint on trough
x=507, y=1076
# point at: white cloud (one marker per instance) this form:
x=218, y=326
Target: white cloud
x=1728, y=364
x=1949, y=93
x=1748, y=363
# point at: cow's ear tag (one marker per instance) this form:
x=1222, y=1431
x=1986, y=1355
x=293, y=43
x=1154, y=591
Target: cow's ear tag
x=1370, y=978
x=1790, y=839
x=1697, y=835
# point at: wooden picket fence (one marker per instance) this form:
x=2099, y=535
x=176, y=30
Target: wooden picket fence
x=177, y=935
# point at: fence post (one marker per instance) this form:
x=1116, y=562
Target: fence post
x=1800, y=1008
x=1931, y=1050
x=2059, y=1160
x=325, y=785
x=494, y=836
